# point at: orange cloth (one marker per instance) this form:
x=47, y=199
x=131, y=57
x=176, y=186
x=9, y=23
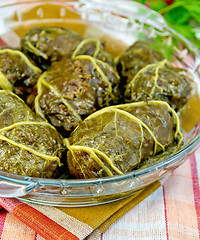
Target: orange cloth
x=56, y=223
x=170, y=212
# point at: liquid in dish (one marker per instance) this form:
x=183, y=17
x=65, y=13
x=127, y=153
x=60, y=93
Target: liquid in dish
x=62, y=104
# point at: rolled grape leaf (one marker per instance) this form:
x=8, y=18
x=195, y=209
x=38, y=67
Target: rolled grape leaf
x=135, y=58
x=117, y=139
x=146, y=74
x=160, y=81
x=48, y=44
x=17, y=73
x=72, y=89
x=28, y=145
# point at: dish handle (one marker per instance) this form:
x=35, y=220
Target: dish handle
x=15, y=189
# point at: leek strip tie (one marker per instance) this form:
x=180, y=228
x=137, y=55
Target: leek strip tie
x=101, y=73
x=23, y=56
x=45, y=83
x=158, y=66
x=155, y=78
x=26, y=123
x=140, y=104
x=143, y=125
x=35, y=50
x=93, y=152
x=84, y=42
x=22, y=146
x=5, y=83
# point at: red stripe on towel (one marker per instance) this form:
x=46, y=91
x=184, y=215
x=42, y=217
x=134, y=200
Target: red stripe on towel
x=196, y=188
x=165, y=209
x=3, y=214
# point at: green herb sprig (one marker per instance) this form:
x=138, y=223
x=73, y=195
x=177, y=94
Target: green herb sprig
x=181, y=15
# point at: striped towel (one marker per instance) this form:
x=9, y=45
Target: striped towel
x=170, y=212
x=60, y=223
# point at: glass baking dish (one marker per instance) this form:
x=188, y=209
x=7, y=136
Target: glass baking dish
x=119, y=24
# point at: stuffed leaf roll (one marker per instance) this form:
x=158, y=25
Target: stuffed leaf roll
x=135, y=58
x=28, y=145
x=72, y=89
x=160, y=81
x=117, y=139
x=48, y=44
x=19, y=73
x=146, y=74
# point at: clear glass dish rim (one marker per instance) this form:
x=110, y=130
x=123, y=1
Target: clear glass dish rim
x=189, y=148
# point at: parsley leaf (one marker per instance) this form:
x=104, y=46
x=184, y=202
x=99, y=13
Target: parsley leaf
x=178, y=16
x=181, y=15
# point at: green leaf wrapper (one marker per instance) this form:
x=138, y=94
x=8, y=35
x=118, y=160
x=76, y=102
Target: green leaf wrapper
x=28, y=145
x=117, y=139
x=72, y=89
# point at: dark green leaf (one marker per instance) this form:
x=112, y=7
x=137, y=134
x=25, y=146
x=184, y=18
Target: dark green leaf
x=194, y=10
x=158, y=5
x=178, y=15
